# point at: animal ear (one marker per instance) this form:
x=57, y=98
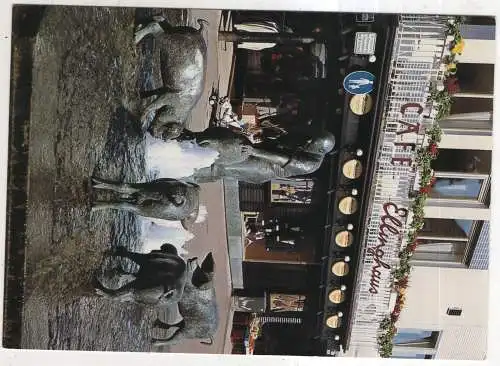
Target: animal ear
x=208, y=264
x=203, y=275
x=193, y=184
x=190, y=184
x=169, y=249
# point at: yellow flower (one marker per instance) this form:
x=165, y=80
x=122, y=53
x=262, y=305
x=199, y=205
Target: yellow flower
x=451, y=69
x=402, y=301
x=458, y=48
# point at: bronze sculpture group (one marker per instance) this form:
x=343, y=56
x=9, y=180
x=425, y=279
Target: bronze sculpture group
x=164, y=278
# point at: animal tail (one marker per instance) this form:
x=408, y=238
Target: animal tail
x=209, y=342
x=202, y=23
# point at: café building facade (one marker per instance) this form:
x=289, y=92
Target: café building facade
x=427, y=310
x=320, y=264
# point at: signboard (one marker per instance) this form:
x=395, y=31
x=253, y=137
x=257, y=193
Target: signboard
x=365, y=43
x=359, y=82
x=284, y=302
x=249, y=304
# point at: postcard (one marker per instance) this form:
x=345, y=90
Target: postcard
x=249, y=182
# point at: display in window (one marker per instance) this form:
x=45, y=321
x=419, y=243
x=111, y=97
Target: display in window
x=285, y=302
x=292, y=191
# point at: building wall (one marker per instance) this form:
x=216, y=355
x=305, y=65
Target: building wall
x=432, y=291
x=473, y=141
x=463, y=343
x=440, y=285
x=478, y=51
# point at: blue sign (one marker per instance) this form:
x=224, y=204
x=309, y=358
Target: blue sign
x=359, y=82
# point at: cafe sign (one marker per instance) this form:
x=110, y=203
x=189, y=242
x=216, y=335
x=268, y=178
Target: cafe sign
x=387, y=216
x=391, y=223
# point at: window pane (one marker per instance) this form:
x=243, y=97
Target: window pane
x=463, y=161
x=411, y=335
x=440, y=246
x=437, y=257
x=415, y=356
x=453, y=188
x=456, y=230
x=465, y=225
x=415, y=338
x=476, y=78
x=471, y=105
x=480, y=20
x=443, y=240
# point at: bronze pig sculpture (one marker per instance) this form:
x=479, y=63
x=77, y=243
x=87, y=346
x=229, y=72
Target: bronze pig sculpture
x=160, y=279
x=183, y=64
x=196, y=312
x=166, y=199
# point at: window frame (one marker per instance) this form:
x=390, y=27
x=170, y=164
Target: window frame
x=468, y=246
x=402, y=350
x=483, y=192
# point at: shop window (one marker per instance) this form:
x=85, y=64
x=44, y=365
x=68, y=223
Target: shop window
x=275, y=239
x=471, y=105
x=462, y=161
x=479, y=20
x=457, y=188
x=478, y=31
x=446, y=229
x=444, y=242
x=469, y=123
x=462, y=175
x=440, y=251
x=476, y=78
x=286, y=302
x=416, y=356
x=292, y=191
x=416, y=338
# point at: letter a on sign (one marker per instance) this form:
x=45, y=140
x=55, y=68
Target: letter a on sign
x=359, y=82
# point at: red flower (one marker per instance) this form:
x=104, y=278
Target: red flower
x=425, y=189
x=433, y=149
x=394, y=317
x=452, y=85
x=413, y=246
